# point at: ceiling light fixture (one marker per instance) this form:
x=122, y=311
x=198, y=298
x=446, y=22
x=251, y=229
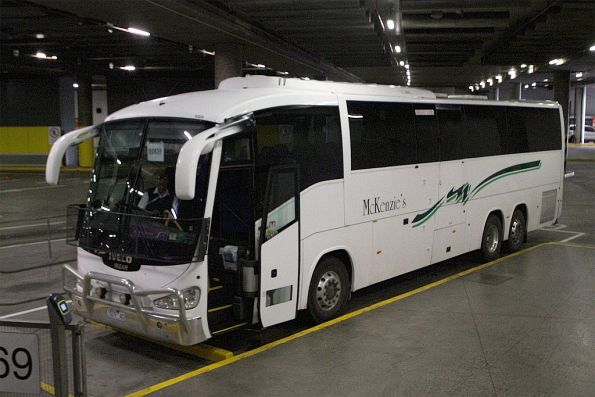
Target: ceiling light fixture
x=128, y=68
x=401, y=63
x=40, y=36
x=212, y=53
x=390, y=24
x=534, y=84
x=482, y=84
x=523, y=65
x=138, y=32
x=75, y=85
x=531, y=69
x=471, y=88
x=499, y=78
x=398, y=49
x=578, y=75
x=592, y=48
x=490, y=81
x=41, y=55
x=557, y=61
x=526, y=86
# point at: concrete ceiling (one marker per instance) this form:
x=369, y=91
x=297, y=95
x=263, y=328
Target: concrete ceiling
x=454, y=43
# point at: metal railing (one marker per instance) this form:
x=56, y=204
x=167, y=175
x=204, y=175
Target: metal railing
x=75, y=357
x=30, y=250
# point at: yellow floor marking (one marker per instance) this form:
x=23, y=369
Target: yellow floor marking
x=216, y=309
x=231, y=360
x=50, y=389
x=200, y=350
x=228, y=329
x=579, y=144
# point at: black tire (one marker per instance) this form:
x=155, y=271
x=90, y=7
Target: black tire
x=491, y=240
x=329, y=290
x=517, y=231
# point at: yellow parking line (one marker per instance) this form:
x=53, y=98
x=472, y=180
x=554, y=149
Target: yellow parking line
x=49, y=389
x=201, y=350
x=250, y=353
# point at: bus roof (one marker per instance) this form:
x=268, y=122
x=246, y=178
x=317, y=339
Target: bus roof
x=240, y=95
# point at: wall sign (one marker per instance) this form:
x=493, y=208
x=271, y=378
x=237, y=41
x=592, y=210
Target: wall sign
x=53, y=134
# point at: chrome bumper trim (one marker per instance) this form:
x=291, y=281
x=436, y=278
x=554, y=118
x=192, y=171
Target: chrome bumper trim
x=172, y=328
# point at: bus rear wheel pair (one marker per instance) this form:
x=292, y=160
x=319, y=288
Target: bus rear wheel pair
x=492, y=238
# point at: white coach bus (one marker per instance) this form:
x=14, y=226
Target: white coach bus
x=215, y=210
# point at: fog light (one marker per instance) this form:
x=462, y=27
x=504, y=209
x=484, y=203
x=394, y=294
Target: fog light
x=100, y=292
x=125, y=299
x=191, y=298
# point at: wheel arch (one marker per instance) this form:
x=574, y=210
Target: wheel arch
x=339, y=252
x=500, y=214
x=525, y=210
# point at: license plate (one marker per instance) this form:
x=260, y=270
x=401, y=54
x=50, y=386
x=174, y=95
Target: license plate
x=116, y=314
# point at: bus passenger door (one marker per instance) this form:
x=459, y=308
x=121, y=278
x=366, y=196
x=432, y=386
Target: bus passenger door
x=279, y=247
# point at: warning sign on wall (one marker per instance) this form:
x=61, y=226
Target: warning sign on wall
x=53, y=134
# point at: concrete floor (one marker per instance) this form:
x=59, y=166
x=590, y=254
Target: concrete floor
x=524, y=326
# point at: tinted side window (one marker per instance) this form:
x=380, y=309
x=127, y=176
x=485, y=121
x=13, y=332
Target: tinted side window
x=381, y=134
x=310, y=136
x=540, y=127
x=450, y=120
x=483, y=127
x=426, y=130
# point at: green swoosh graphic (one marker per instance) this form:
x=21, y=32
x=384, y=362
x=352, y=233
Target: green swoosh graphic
x=422, y=218
x=463, y=195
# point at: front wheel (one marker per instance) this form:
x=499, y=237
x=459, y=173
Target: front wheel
x=491, y=240
x=329, y=289
x=516, y=234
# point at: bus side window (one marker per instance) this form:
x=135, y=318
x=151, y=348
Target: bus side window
x=426, y=130
x=450, y=120
x=483, y=127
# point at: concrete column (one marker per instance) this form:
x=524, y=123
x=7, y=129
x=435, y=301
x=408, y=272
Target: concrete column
x=516, y=89
x=580, y=100
x=228, y=61
x=85, y=101
x=85, y=118
x=497, y=93
x=67, y=116
x=562, y=92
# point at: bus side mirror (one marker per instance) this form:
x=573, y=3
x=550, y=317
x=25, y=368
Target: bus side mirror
x=52, y=168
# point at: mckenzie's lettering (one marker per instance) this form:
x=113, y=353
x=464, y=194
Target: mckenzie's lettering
x=378, y=206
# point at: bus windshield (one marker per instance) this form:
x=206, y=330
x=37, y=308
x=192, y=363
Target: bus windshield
x=132, y=211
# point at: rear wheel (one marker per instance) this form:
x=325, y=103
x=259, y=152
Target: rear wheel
x=516, y=234
x=329, y=289
x=491, y=241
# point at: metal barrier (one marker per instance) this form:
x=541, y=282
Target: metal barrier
x=30, y=341
x=41, y=239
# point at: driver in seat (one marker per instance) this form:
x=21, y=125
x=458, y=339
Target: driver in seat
x=159, y=199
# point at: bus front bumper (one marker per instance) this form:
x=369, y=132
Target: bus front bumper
x=131, y=317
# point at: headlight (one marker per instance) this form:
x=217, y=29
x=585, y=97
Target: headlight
x=191, y=298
